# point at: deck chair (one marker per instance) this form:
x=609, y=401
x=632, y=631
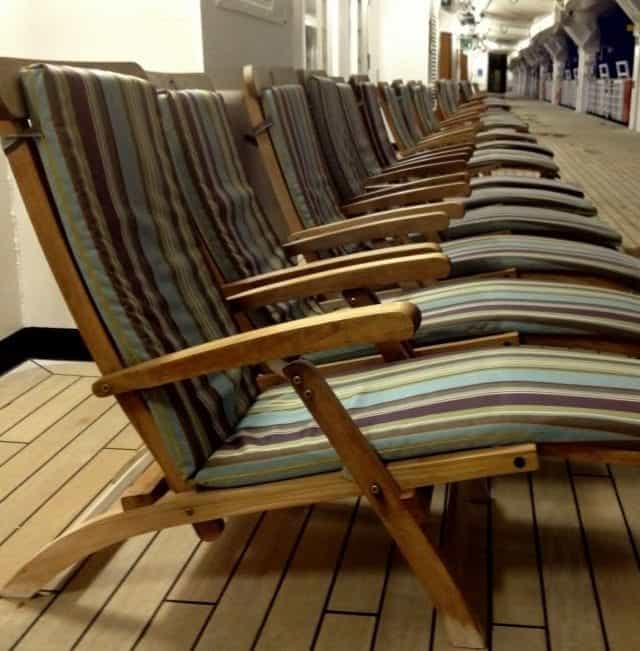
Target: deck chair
x=362, y=147
x=485, y=161
x=294, y=161
x=170, y=353
x=240, y=238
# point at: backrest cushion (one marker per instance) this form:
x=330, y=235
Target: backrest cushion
x=136, y=243
x=300, y=156
x=419, y=102
x=241, y=239
x=408, y=109
x=396, y=116
x=358, y=130
x=375, y=121
x=339, y=148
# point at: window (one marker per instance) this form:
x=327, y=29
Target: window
x=315, y=34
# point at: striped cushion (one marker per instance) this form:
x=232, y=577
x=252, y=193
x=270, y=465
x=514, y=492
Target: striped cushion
x=424, y=111
x=408, y=110
x=429, y=105
x=241, y=239
x=486, y=307
x=514, y=144
x=454, y=402
x=503, y=181
x=502, y=133
x=510, y=158
x=375, y=121
x=300, y=156
x=398, y=122
x=530, y=220
x=135, y=242
x=525, y=196
x=340, y=150
x=358, y=130
x=529, y=253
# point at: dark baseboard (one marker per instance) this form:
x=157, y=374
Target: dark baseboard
x=42, y=343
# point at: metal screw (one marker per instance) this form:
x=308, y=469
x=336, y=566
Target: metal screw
x=297, y=379
x=307, y=393
x=519, y=462
x=375, y=489
x=105, y=388
x=353, y=300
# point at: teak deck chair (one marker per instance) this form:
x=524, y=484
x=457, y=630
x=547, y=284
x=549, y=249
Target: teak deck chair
x=294, y=162
x=93, y=168
x=351, y=159
x=254, y=272
x=484, y=161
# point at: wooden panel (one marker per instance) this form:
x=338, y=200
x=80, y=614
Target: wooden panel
x=464, y=67
x=54, y=439
x=571, y=606
x=86, y=369
x=89, y=590
x=175, y=626
x=508, y=638
x=141, y=593
x=29, y=496
x=614, y=564
x=345, y=633
x=61, y=509
x=517, y=598
x=127, y=439
x=359, y=582
x=627, y=481
x=19, y=380
x=35, y=423
x=8, y=450
x=17, y=616
x=28, y=402
x=589, y=468
x=234, y=625
x=209, y=568
x=298, y=606
x=446, y=56
x=406, y=614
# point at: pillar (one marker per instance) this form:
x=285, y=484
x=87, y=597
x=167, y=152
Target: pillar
x=586, y=61
x=558, y=76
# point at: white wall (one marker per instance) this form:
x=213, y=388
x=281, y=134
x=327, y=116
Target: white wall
x=402, y=37
x=479, y=68
x=158, y=34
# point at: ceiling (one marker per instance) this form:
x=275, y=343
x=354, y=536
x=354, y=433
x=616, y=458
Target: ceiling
x=519, y=10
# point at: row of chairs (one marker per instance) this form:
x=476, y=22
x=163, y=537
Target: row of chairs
x=375, y=350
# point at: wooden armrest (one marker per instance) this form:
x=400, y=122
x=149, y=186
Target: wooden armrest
x=406, y=197
x=454, y=170
x=430, y=266
x=427, y=225
x=325, y=264
x=391, y=322
x=455, y=177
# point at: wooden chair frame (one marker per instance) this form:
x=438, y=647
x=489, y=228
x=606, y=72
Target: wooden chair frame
x=162, y=498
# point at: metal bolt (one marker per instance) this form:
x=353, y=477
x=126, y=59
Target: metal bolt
x=105, y=389
x=189, y=512
x=307, y=393
x=375, y=489
x=520, y=462
x=297, y=379
x=353, y=300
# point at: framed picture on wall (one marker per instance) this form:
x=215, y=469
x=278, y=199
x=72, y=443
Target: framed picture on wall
x=274, y=11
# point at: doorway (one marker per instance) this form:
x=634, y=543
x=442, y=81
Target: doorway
x=497, y=72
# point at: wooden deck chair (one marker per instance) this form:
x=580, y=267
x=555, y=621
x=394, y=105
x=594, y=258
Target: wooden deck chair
x=299, y=177
x=165, y=344
x=484, y=161
x=254, y=273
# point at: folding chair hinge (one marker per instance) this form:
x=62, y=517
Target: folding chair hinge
x=256, y=131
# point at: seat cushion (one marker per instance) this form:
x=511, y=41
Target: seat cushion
x=511, y=158
x=547, y=198
x=529, y=253
x=481, y=308
x=504, y=181
x=530, y=220
x=504, y=134
x=514, y=145
x=453, y=402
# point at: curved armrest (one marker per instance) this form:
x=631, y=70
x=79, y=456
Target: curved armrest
x=337, y=262
x=455, y=177
x=426, y=267
x=455, y=170
x=391, y=322
x=428, y=225
x=407, y=197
